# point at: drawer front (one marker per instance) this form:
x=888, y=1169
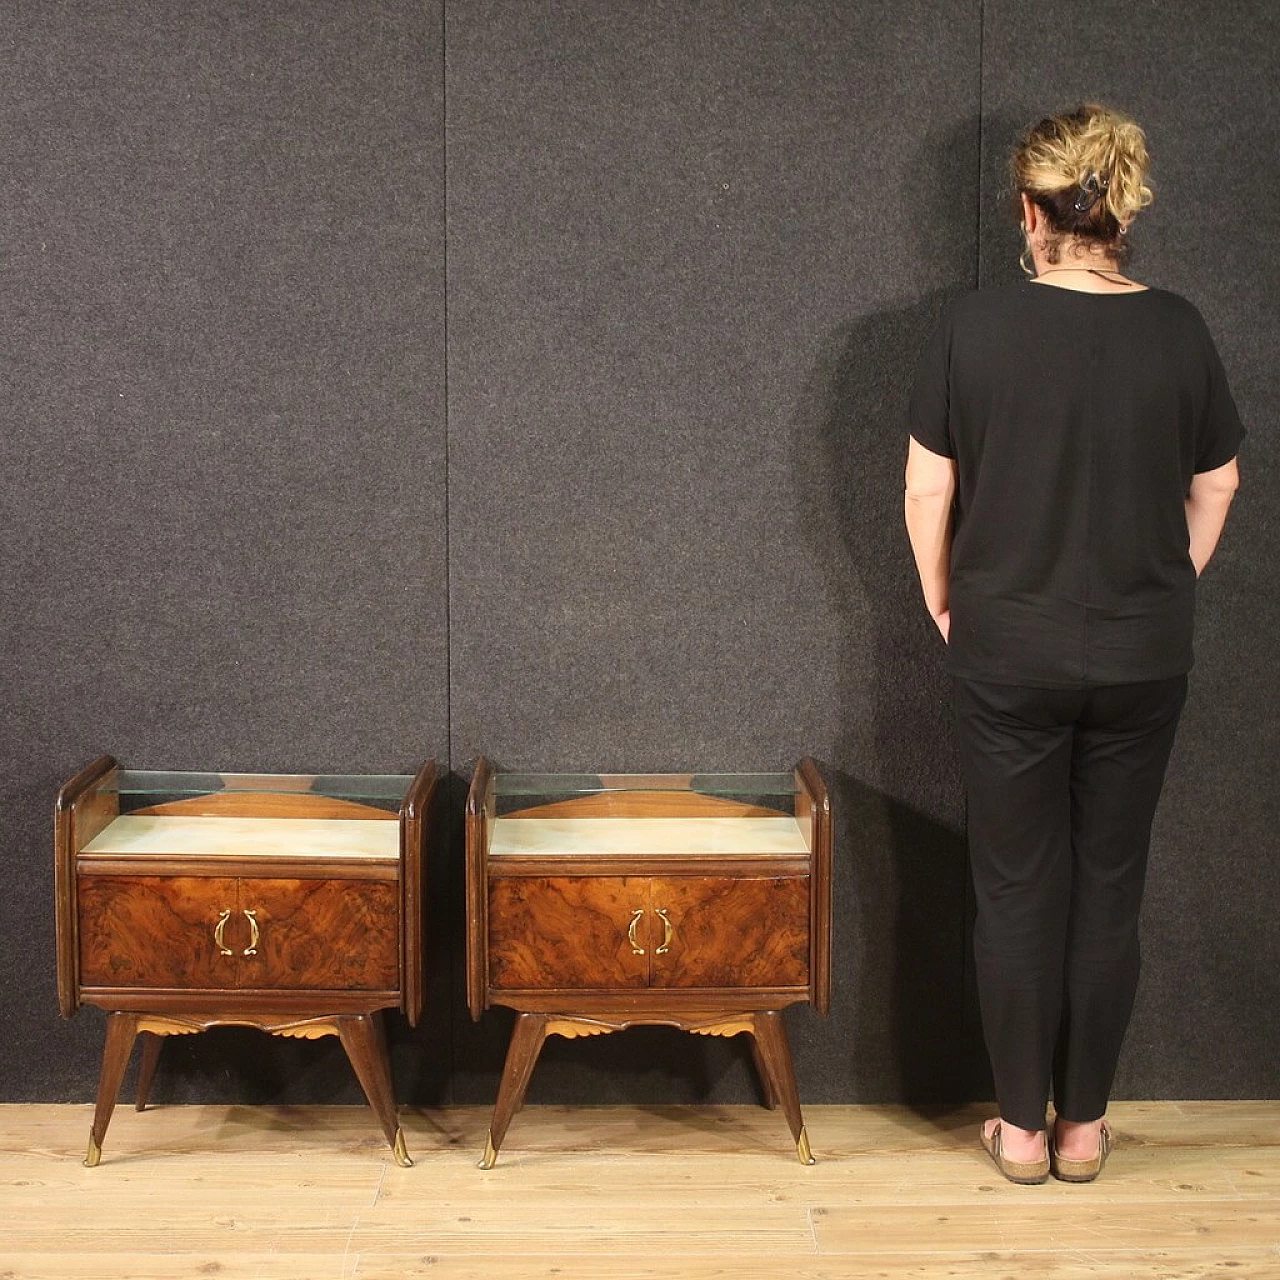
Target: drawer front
x=331, y=935
x=731, y=932
x=156, y=931
x=569, y=933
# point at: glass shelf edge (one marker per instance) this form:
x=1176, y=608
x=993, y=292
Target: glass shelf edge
x=712, y=784
x=141, y=782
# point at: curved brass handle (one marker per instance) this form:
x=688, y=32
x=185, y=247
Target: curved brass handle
x=636, y=948
x=668, y=934
x=252, y=948
x=218, y=928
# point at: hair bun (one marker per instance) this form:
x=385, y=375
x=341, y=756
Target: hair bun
x=1087, y=169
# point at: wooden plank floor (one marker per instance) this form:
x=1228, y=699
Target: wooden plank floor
x=631, y=1193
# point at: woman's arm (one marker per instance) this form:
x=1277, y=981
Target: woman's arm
x=1207, y=504
x=931, y=489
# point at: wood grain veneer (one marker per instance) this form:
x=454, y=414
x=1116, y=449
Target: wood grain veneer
x=268, y=804
x=730, y=931
x=654, y=803
x=567, y=932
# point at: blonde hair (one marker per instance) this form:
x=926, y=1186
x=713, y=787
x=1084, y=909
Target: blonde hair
x=1087, y=170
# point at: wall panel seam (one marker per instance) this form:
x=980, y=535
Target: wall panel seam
x=982, y=73
x=451, y=1046
x=444, y=315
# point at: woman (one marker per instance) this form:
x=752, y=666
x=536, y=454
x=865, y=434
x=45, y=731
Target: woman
x=1072, y=458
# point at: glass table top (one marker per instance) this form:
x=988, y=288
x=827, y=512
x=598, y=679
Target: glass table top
x=341, y=786
x=727, y=785
x=619, y=795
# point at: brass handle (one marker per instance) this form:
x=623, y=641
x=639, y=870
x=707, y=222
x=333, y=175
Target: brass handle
x=667, y=936
x=252, y=948
x=217, y=933
x=636, y=948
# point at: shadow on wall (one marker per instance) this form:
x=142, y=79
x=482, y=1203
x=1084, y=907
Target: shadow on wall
x=903, y=977
x=903, y=902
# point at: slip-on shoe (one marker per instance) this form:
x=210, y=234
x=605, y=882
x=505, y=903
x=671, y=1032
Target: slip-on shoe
x=1024, y=1172
x=1082, y=1170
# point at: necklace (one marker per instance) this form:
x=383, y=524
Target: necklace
x=1103, y=273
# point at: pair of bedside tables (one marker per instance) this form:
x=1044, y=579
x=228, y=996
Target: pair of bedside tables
x=293, y=904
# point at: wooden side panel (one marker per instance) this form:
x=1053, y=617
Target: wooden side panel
x=480, y=805
x=731, y=932
x=156, y=931
x=414, y=817
x=320, y=935
x=810, y=782
x=568, y=933
x=76, y=795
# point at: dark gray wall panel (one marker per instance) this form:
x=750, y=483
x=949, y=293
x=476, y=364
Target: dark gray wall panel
x=693, y=251
x=223, y=445
x=1201, y=79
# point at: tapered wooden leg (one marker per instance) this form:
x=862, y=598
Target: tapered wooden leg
x=151, y=1046
x=527, y=1038
x=766, y=1085
x=122, y=1029
x=364, y=1038
x=775, y=1050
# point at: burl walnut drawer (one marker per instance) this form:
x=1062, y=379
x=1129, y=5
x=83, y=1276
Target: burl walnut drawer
x=638, y=932
x=203, y=933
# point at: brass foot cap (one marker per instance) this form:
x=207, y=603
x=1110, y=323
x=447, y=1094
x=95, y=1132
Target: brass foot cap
x=95, y=1153
x=490, y=1157
x=802, y=1148
x=401, y=1152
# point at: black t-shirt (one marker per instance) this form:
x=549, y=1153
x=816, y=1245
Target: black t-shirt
x=1076, y=421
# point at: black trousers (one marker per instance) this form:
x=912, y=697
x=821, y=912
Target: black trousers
x=1062, y=788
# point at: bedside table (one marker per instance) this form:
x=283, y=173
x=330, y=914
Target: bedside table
x=597, y=903
x=292, y=904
